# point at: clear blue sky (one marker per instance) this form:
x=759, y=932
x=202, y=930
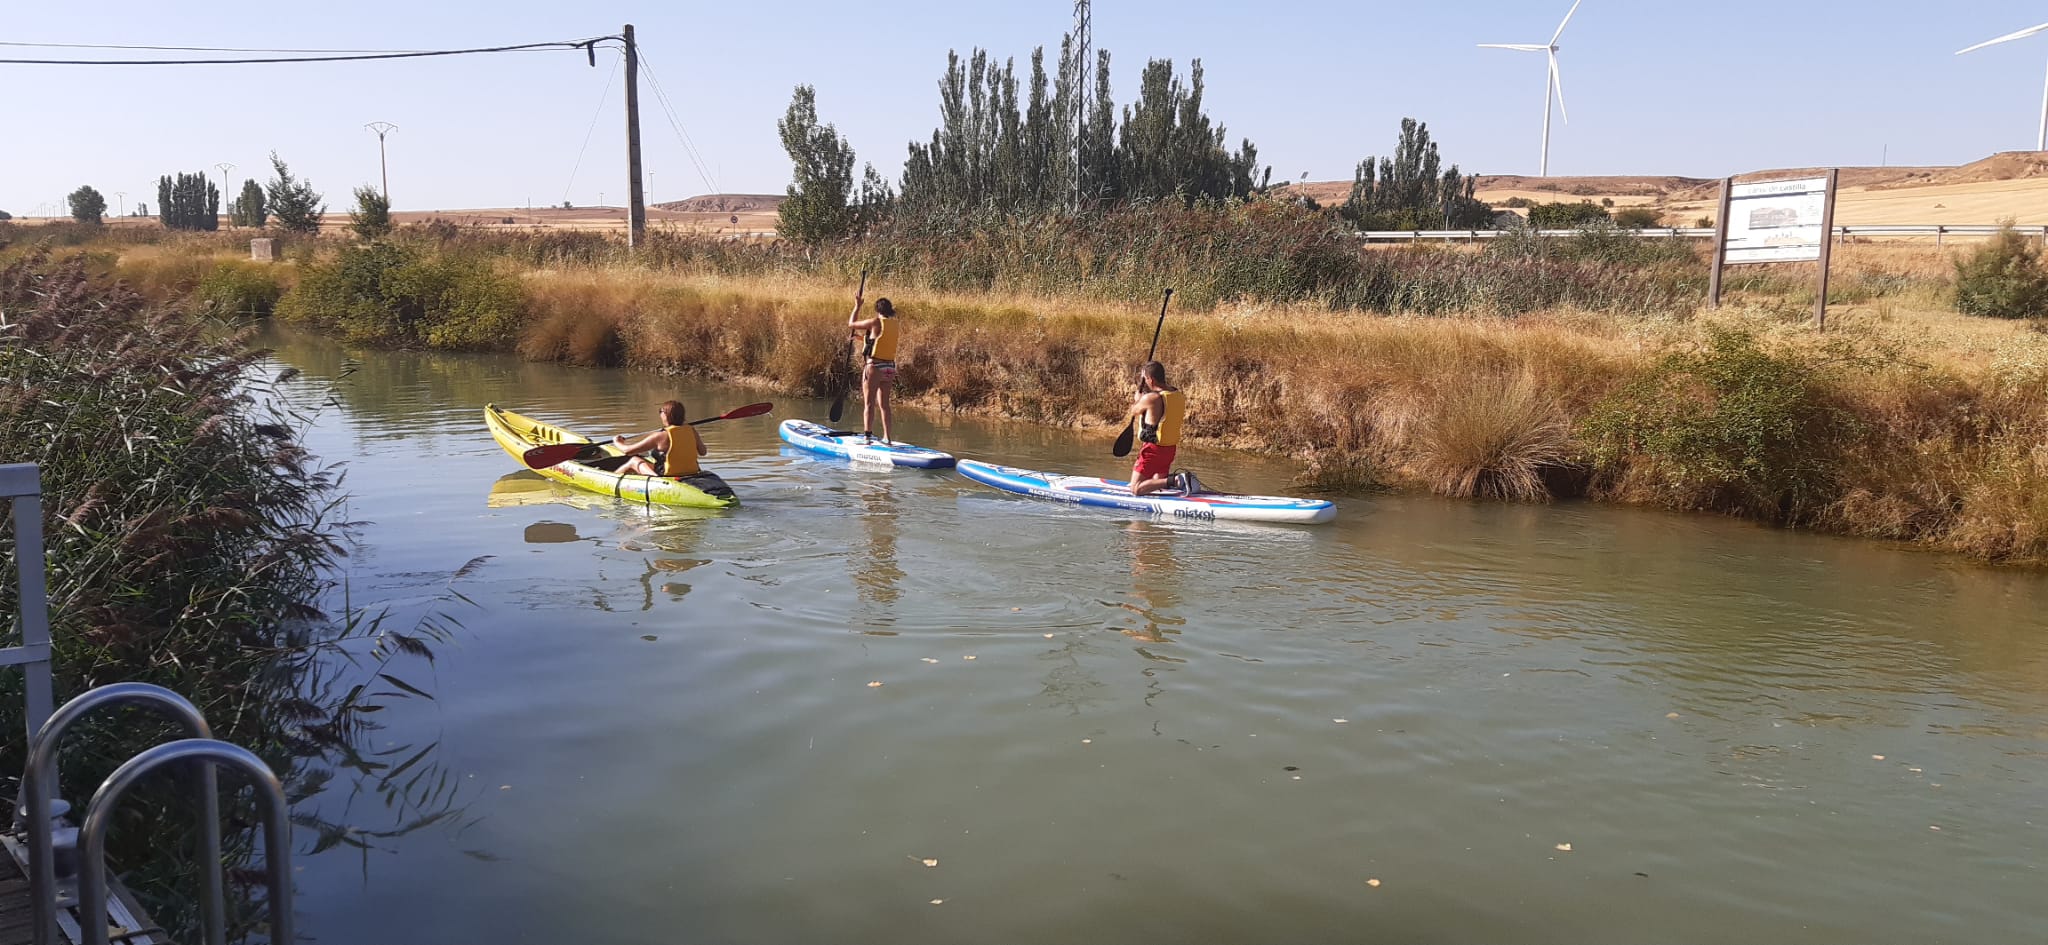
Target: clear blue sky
x=1654, y=87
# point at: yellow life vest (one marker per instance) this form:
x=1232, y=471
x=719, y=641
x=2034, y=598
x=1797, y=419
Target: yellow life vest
x=882, y=343
x=681, y=458
x=1166, y=432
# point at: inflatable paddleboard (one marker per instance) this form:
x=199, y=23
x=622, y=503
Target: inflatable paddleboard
x=1203, y=506
x=826, y=441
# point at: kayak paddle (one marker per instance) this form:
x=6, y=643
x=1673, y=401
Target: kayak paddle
x=555, y=454
x=1123, y=440
x=839, y=403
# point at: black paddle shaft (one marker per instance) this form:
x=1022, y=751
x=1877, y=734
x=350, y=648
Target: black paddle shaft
x=1123, y=440
x=839, y=402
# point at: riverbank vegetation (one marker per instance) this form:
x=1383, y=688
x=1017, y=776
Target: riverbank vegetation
x=1525, y=369
x=189, y=540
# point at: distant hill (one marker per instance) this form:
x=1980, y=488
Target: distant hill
x=725, y=203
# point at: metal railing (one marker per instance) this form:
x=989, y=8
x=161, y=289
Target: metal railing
x=52, y=866
x=59, y=888
x=1939, y=232
x=22, y=485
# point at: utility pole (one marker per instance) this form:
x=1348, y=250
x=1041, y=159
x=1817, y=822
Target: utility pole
x=383, y=171
x=636, y=199
x=122, y=196
x=226, y=188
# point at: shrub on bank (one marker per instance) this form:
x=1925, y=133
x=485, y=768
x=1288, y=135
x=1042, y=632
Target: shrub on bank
x=240, y=289
x=1730, y=427
x=407, y=293
x=2003, y=278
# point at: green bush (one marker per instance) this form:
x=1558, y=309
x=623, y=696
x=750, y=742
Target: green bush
x=2002, y=279
x=1731, y=427
x=407, y=293
x=240, y=289
x=1564, y=216
x=1636, y=218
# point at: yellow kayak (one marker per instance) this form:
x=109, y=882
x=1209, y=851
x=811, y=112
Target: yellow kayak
x=596, y=472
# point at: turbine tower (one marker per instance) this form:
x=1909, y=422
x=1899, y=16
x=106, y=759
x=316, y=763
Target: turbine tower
x=2042, y=145
x=1553, y=87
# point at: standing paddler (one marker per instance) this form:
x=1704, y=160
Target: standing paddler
x=878, y=337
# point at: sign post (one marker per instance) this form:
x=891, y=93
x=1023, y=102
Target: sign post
x=1776, y=221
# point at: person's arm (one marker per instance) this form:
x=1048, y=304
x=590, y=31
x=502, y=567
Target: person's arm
x=702, y=450
x=858, y=300
x=861, y=327
x=1141, y=407
x=642, y=444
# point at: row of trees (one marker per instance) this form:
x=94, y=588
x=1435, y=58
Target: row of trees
x=1004, y=152
x=192, y=202
x=996, y=155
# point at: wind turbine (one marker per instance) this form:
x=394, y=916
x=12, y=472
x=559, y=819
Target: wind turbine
x=1554, y=87
x=2009, y=37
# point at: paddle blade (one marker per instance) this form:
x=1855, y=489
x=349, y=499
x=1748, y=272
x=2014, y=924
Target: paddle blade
x=554, y=454
x=838, y=407
x=1123, y=441
x=739, y=413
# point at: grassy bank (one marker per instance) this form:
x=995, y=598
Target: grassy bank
x=1910, y=425
x=1523, y=370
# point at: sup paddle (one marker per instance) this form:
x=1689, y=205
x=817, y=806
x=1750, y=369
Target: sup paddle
x=1123, y=440
x=839, y=403
x=555, y=454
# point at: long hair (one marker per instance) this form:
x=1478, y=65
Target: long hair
x=672, y=413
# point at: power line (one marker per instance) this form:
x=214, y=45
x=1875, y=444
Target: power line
x=602, y=98
x=199, y=48
x=589, y=44
x=689, y=144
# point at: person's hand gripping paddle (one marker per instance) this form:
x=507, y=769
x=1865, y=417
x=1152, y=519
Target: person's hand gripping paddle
x=1124, y=440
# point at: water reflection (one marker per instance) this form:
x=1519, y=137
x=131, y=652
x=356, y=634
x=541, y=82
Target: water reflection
x=1155, y=581
x=676, y=590
x=876, y=576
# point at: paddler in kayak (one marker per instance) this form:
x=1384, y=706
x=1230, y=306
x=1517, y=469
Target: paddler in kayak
x=670, y=451
x=878, y=350
x=1158, y=409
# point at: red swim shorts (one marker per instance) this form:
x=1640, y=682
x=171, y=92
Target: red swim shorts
x=1153, y=461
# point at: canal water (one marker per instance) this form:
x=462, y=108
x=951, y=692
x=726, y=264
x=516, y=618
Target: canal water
x=884, y=706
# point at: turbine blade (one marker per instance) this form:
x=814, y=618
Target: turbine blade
x=1525, y=47
x=1567, y=19
x=2007, y=38
x=1557, y=82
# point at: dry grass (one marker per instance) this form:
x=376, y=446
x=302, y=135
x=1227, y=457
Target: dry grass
x=1949, y=413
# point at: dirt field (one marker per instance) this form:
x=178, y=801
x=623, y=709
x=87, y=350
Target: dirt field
x=2012, y=185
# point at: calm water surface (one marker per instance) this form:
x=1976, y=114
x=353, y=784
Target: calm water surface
x=661, y=727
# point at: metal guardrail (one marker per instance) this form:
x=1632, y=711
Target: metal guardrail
x=1938, y=231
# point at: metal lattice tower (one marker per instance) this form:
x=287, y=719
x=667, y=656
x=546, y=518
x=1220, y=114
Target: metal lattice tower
x=1084, y=42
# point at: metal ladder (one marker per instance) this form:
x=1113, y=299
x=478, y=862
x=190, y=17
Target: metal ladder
x=44, y=838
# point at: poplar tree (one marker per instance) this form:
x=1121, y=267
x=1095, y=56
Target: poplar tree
x=821, y=187
x=1412, y=190
x=188, y=202
x=249, y=209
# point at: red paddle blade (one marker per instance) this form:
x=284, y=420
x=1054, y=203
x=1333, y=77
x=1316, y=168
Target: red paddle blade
x=553, y=454
x=750, y=410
